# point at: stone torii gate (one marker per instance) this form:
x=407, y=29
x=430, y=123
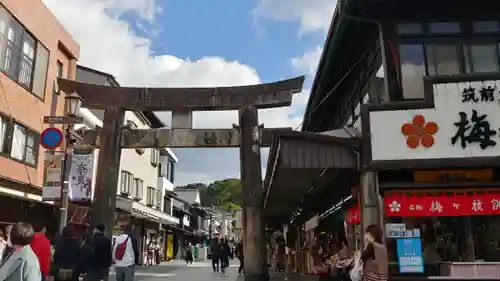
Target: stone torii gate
x=248, y=135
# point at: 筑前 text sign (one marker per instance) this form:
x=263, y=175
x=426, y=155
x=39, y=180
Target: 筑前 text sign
x=464, y=123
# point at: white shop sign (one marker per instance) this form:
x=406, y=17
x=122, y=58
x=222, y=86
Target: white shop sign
x=464, y=123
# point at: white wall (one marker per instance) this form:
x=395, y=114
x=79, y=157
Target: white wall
x=139, y=165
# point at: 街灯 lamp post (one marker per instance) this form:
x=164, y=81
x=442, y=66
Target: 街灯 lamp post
x=72, y=105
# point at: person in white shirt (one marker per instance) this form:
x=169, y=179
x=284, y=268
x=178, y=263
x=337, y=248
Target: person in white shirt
x=125, y=254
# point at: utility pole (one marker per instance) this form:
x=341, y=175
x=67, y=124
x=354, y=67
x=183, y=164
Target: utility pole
x=254, y=243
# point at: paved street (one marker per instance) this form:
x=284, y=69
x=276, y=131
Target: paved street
x=178, y=271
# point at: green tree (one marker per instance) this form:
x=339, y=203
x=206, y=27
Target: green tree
x=223, y=193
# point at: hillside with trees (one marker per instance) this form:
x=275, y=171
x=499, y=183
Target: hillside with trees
x=224, y=193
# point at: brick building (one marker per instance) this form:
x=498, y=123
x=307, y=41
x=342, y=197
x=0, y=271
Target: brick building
x=35, y=49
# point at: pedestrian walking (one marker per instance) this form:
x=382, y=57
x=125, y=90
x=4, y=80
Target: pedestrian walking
x=214, y=250
x=189, y=254
x=224, y=254
x=67, y=256
x=98, y=260
x=22, y=264
x=374, y=257
x=40, y=245
x=240, y=256
x=125, y=254
x=149, y=253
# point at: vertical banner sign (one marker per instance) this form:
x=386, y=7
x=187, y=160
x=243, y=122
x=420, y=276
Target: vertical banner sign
x=81, y=177
x=53, y=166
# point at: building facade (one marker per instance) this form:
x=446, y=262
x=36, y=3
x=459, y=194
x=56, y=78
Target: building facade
x=35, y=49
x=420, y=89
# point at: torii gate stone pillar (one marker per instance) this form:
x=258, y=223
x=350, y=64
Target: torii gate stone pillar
x=248, y=135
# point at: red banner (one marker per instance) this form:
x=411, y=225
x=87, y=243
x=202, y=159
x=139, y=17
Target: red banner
x=353, y=215
x=456, y=205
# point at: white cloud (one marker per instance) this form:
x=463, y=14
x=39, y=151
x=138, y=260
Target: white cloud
x=308, y=62
x=110, y=44
x=312, y=15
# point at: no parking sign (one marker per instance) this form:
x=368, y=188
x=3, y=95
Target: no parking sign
x=51, y=138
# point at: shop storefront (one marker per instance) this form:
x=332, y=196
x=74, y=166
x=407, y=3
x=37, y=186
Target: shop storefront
x=437, y=170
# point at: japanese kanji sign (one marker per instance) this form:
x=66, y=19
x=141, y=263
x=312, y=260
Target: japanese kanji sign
x=456, y=205
x=463, y=123
x=81, y=177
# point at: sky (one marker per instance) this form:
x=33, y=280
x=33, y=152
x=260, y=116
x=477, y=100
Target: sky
x=200, y=43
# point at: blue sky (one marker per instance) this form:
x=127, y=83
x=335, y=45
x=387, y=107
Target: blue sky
x=200, y=43
x=230, y=29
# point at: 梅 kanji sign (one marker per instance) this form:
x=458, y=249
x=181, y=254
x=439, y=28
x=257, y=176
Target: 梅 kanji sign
x=463, y=123
x=456, y=205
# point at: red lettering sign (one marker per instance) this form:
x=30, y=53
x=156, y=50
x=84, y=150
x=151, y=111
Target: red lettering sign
x=353, y=215
x=456, y=205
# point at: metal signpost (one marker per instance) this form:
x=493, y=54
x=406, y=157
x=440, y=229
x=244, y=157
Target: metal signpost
x=51, y=138
x=65, y=120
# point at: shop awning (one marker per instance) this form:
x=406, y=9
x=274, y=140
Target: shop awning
x=139, y=210
x=300, y=161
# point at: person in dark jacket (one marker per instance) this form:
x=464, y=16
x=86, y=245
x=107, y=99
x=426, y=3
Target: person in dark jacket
x=224, y=253
x=98, y=263
x=241, y=257
x=214, y=250
x=66, y=256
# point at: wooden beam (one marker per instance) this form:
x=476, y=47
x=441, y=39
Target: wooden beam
x=276, y=94
x=176, y=138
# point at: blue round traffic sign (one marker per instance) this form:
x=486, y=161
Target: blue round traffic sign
x=51, y=138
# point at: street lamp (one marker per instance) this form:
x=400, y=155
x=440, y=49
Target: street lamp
x=72, y=104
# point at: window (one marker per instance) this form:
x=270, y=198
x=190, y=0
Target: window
x=444, y=27
x=410, y=28
x=150, y=199
x=158, y=198
x=161, y=170
x=60, y=71
x=24, y=146
x=126, y=182
x=27, y=61
x=167, y=205
x=485, y=27
x=22, y=58
x=170, y=170
x=12, y=48
x=138, y=189
x=3, y=133
x=481, y=58
x=155, y=156
x=442, y=59
x=40, y=73
x=412, y=70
